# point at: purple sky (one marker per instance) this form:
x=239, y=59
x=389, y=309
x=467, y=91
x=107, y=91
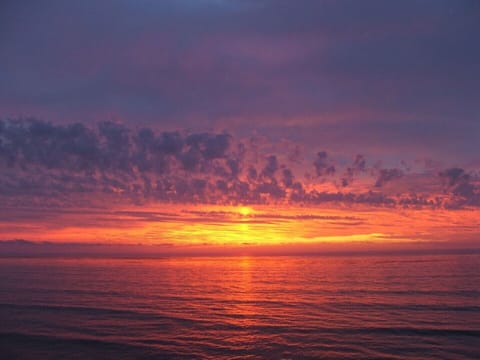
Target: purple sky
x=239, y=102
x=396, y=78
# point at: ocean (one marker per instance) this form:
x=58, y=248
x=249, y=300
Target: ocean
x=306, y=307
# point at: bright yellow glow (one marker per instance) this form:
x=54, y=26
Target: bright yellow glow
x=245, y=210
x=199, y=225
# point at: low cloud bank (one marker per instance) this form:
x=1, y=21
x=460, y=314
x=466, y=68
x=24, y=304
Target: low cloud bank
x=41, y=159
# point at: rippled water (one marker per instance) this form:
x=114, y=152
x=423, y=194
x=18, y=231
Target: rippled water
x=393, y=307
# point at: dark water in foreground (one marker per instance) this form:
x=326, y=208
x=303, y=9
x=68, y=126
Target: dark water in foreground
x=392, y=307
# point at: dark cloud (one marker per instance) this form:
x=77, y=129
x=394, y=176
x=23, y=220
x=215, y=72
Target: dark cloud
x=73, y=162
x=358, y=166
x=455, y=176
x=463, y=186
x=322, y=165
x=169, y=143
x=288, y=178
x=387, y=175
x=271, y=167
x=375, y=198
x=211, y=146
x=272, y=189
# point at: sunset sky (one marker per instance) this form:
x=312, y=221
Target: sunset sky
x=240, y=123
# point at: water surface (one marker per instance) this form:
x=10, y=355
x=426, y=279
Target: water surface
x=391, y=307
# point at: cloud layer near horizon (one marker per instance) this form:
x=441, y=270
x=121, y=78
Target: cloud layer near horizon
x=43, y=160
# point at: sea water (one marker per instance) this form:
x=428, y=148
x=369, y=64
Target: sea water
x=309, y=307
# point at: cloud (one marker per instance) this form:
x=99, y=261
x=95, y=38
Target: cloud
x=322, y=165
x=464, y=187
x=455, y=176
x=288, y=178
x=387, y=175
x=358, y=166
x=66, y=163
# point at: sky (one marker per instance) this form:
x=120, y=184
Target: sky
x=240, y=123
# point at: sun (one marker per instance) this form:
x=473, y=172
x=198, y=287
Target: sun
x=245, y=210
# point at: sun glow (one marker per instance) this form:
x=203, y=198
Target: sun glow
x=245, y=211
x=185, y=225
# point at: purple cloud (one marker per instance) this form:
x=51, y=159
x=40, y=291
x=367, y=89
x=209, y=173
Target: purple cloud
x=41, y=160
